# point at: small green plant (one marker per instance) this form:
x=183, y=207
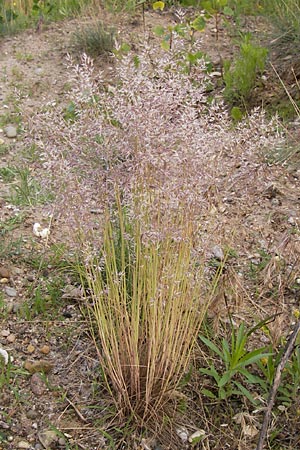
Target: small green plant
x=71, y=113
x=240, y=76
x=10, y=224
x=9, y=374
x=7, y=174
x=26, y=190
x=217, y=9
x=95, y=39
x=45, y=299
x=288, y=390
x=4, y=149
x=235, y=359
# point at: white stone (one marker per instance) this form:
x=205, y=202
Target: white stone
x=10, y=131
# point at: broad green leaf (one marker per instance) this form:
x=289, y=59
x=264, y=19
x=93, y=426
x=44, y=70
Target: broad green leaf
x=236, y=113
x=180, y=29
x=212, y=346
x=253, y=379
x=228, y=11
x=165, y=44
x=225, y=378
x=198, y=24
x=159, y=30
x=208, y=393
x=251, y=358
x=211, y=372
x=158, y=5
x=245, y=392
x=226, y=352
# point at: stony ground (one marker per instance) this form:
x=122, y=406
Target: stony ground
x=41, y=327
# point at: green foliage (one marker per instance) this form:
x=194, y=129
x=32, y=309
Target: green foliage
x=26, y=191
x=15, y=16
x=235, y=359
x=236, y=114
x=71, y=112
x=45, y=299
x=7, y=174
x=240, y=76
x=95, y=39
x=286, y=17
x=288, y=390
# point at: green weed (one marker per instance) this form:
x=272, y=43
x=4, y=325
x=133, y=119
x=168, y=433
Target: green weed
x=235, y=359
x=44, y=299
x=240, y=76
x=7, y=174
x=4, y=149
x=26, y=191
x=10, y=224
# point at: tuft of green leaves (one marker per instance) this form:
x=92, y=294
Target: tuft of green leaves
x=240, y=76
x=235, y=359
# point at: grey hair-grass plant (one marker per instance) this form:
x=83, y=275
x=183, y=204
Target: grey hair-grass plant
x=145, y=306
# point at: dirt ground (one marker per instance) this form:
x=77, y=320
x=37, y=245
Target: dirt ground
x=64, y=408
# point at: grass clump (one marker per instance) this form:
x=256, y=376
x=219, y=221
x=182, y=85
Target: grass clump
x=145, y=313
x=95, y=39
x=285, y=15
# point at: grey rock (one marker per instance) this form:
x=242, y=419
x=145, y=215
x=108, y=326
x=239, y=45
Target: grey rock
x=37, y=384
x=217, y=253
x=10, y=131
x=47, y=438
x=5, y=333
x=23, y=444
x=11, y=292
x=32, y=414
x=38, y=71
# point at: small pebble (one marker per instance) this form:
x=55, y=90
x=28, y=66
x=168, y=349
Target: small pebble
x=10, y=131
x=62, y=441
x=4, y=273
x=11, y=338
x=45, y=349
x=11, y=292
x=4, y=280
x=38, y=366
x=291, y=220
x=37, y=384
x=30, y=278
x=30, y=348
x=23, y=444
x=5, y=333
x=217, y=252
x=32, y=414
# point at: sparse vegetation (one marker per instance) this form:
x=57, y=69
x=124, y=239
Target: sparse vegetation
x=95, y=39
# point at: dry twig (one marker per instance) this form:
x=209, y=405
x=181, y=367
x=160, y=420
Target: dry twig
x=285, y=356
